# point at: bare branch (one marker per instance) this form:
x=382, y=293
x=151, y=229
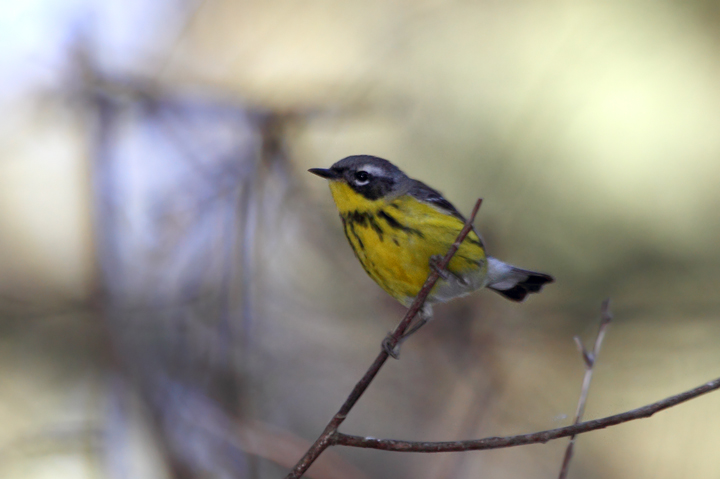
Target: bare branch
x=523, y=439
x=330, y=431
x=331, y=436
x=589, y=359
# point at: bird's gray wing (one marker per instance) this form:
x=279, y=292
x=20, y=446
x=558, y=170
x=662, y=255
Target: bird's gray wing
x=423, y=192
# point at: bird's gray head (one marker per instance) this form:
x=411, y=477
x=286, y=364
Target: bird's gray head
x=370, y=176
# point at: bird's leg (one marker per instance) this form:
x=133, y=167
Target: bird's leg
x=435, y=265
x=444, y=273
x=425, y=316
x=425, y=313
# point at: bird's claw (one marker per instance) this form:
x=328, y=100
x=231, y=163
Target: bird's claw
x=387, y=345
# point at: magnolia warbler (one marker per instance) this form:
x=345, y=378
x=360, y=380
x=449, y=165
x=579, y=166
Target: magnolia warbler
x=398, y=227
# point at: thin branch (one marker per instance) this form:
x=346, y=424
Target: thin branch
x=523, y=439
x=589, y=360
x=330, y=431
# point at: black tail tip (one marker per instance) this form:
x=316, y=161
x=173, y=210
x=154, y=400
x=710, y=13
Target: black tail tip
x=532, y=284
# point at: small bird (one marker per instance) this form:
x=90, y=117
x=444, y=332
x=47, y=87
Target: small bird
x=399, y=228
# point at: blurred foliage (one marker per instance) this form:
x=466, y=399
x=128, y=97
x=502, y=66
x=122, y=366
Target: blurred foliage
x=177, y=298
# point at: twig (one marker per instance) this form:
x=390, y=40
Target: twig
x=341, y=439
x=330, y=431
x=589, y=360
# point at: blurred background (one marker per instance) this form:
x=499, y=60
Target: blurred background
x=177, y=298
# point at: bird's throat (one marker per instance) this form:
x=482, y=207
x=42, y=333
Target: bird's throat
x=347, y=199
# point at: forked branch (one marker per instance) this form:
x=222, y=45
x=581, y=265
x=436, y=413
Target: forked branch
x=331, y=437
x=589, y=358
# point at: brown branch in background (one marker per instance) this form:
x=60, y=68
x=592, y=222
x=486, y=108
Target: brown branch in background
x=589, y=359
x=330, y=431
x=341, y=439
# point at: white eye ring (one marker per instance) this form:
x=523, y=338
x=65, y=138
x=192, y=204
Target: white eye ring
x=361, y=178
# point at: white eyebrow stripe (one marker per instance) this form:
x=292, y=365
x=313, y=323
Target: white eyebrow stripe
x=373, y=170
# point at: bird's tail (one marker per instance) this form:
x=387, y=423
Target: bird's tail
x=514, y=283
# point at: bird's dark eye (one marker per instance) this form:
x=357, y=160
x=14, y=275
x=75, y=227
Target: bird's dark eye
x=362, y=176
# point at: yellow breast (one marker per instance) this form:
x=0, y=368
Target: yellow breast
x=395, y=239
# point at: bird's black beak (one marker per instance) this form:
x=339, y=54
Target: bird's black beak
x=325, y=173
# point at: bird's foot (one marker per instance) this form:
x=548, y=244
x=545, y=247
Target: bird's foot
x=435, y=261
x=387, y=345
